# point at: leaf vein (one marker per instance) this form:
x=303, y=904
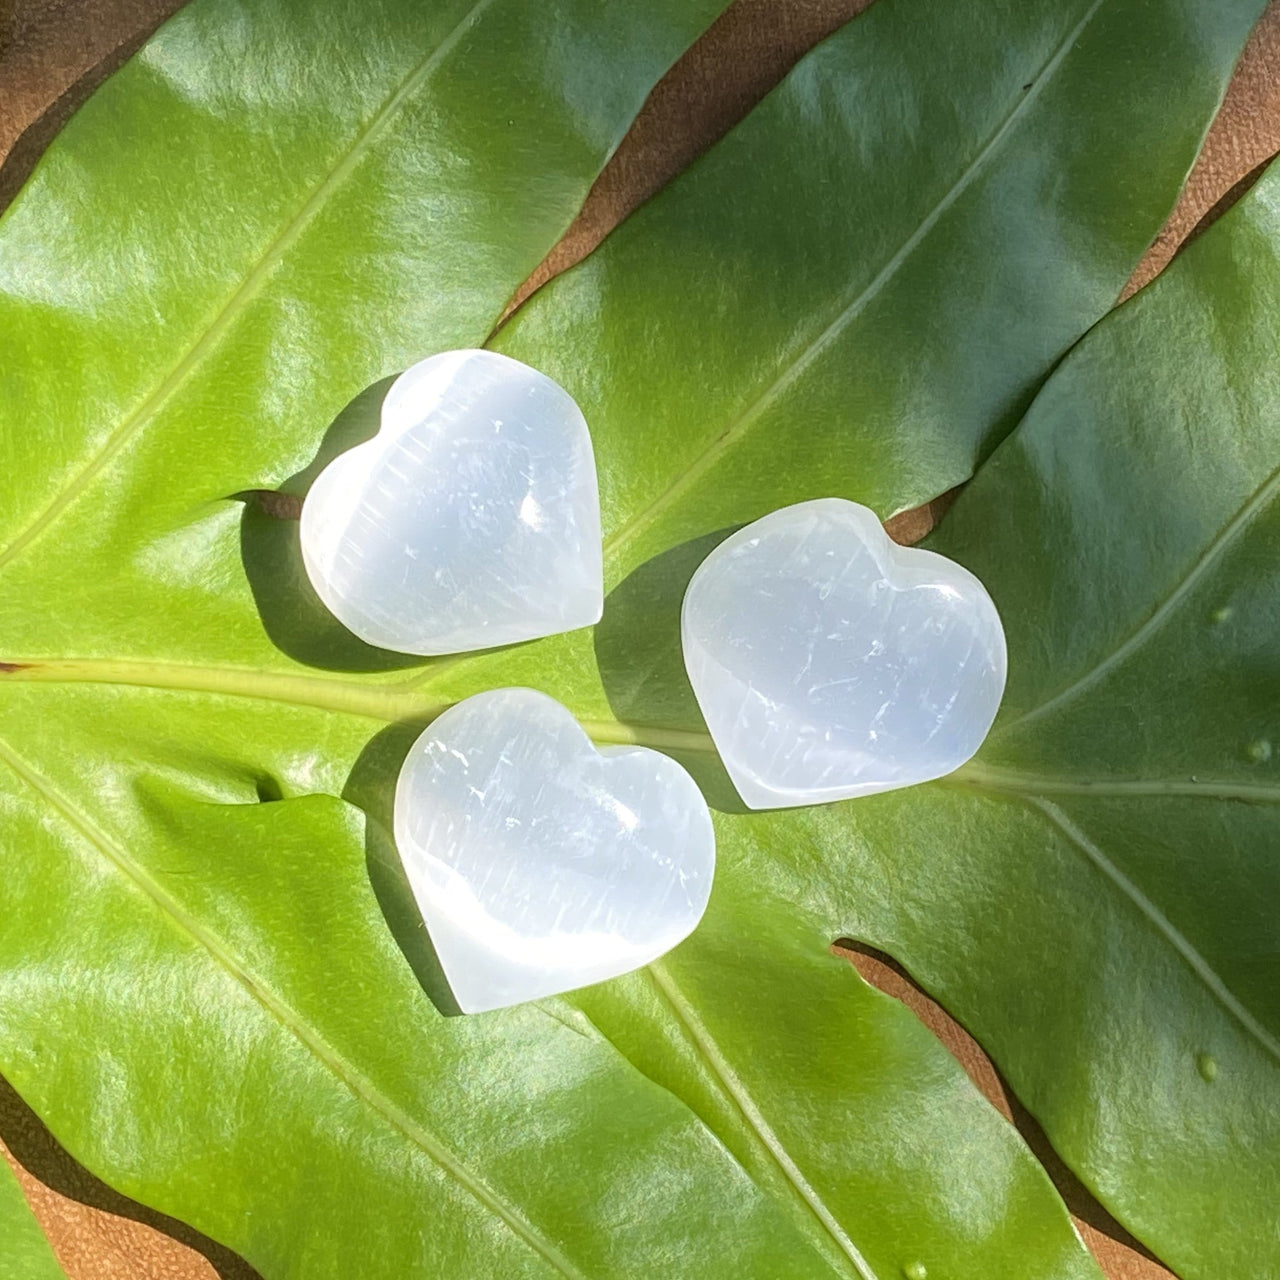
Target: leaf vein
x=1015, y=783
x=1257, y=502
x=1163, y=925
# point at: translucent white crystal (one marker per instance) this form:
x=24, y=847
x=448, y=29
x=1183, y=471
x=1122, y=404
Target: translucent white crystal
x=471, y=519
x=539, y=863
x=830, y=663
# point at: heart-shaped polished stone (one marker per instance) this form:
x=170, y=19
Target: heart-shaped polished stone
x=540, y=863
x=471, y=519
x=829, y=662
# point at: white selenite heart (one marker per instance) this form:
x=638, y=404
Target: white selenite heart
x=539, y=863
x=829, y=662
x=471, y=519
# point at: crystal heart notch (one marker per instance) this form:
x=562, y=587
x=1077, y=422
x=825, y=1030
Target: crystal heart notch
x=829, y=662
x=539, y=863
x=471, y=519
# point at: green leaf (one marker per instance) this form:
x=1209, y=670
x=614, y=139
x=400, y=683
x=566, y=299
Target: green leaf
x=859, y=289
x=24, y=1252
x=1096, y=896
x=270, y=209
x=203, y=979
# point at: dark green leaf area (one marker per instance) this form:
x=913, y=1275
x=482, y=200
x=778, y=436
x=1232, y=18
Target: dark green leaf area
x=860, y=288
x=1095, y=895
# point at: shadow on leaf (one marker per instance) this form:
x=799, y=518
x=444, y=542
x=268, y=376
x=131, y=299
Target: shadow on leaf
x=641, y=661
x=372, y=787
x=295, y=618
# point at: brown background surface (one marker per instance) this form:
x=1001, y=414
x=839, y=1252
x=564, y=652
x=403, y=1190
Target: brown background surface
x=54, y=52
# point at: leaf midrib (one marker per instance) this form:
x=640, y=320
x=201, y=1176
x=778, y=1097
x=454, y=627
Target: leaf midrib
x=403, y=701
x=795, y=368
x=1014, y=782
x=244, y=293
x=358, y=1084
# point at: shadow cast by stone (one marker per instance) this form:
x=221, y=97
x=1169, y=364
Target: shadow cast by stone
x=371, y=786
x=292, y=614
x=638, y=651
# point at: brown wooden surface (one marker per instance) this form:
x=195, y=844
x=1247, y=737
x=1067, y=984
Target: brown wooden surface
x=52, y=54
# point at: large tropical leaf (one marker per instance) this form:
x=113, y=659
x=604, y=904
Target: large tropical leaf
x=1096, y=896
x=24, y=1252
x=272, y=207
x=888, y=397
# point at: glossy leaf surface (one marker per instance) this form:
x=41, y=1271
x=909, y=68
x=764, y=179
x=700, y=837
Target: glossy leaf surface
x=24, y=1252
x=265, y=213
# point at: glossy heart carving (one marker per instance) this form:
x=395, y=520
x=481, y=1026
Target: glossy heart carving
x=829, y=662
x=539, y=863
x=471, y=519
